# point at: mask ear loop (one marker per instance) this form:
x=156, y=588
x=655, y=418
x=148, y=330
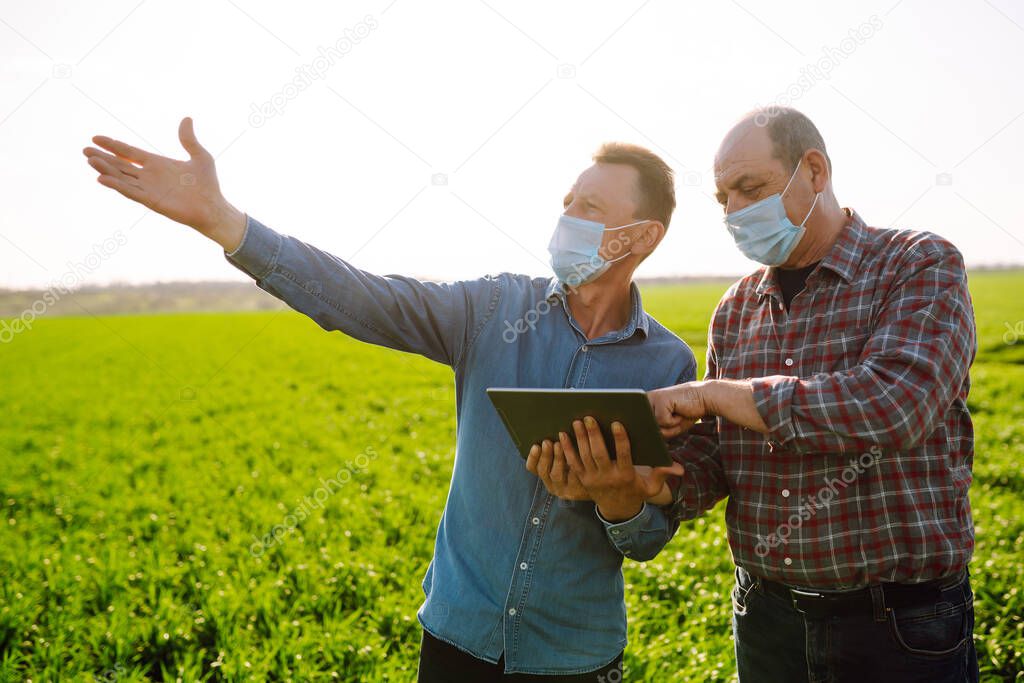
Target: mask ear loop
x=816, y=194
x=799, y=161
x=630, y=225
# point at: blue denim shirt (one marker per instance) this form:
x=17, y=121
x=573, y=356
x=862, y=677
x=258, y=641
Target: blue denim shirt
x=515, y=570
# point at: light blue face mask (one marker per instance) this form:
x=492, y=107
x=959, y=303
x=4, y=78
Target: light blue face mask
x=574, y=250
x=763, y=231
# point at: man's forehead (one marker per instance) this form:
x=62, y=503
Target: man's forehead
x=613, y=181
x=731, y=170
x=746, y=149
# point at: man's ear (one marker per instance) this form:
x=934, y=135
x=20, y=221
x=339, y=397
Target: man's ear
x=649, y=238
x=818, y=165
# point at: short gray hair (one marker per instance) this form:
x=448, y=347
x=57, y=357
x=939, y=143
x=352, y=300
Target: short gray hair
x=791, y=133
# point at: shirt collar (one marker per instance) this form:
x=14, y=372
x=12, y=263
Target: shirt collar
x=843, y=258
x=638, y=319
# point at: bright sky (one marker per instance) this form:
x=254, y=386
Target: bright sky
x=443, y=136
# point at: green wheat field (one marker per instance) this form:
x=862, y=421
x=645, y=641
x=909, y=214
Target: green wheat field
x=142, y=457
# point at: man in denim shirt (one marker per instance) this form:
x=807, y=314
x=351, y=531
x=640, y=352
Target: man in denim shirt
x=520, y=582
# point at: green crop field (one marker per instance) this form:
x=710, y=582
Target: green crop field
x=143, y=457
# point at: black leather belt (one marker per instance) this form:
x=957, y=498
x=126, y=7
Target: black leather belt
x=845, y=603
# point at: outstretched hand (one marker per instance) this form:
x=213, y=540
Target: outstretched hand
x=185, y=191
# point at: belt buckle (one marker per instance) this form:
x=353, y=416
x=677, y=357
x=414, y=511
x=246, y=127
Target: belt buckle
x=795, y=593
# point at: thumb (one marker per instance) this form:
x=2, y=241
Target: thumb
x=676, y=469
x=187, y=136
x=656, y=479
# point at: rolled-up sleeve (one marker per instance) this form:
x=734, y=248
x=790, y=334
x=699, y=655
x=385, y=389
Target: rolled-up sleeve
x=912, y=366
x=438, y=320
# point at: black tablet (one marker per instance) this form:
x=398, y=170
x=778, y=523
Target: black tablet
x=532, y=415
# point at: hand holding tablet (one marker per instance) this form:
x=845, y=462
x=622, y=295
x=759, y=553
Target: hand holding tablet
x=533, y=415
x=581, y=444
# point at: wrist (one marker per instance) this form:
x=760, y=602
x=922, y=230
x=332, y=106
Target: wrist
x=709, y=393
x=226, y=226
x=619, y=511
x=663, y=497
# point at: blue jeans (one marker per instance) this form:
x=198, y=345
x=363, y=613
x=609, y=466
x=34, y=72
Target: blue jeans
x=777, y=643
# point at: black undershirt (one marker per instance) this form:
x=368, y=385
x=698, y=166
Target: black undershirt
x=791, y=281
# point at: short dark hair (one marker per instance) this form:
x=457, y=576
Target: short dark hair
x=791, y=133
x=656, y=198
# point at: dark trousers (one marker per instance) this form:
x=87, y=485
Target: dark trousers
x=444, y=663
x=930, y=643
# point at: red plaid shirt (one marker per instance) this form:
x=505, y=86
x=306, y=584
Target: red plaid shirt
x=863, y=384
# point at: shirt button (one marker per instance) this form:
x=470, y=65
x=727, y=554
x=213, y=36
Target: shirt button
x=583, y=348
x=512, y=612
x=535, y=520
x=789, y=362
x=788, y=561
x=785, y=493
x=615, y=532
x=523, y=565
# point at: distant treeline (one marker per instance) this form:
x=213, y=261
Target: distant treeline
x=205, y=296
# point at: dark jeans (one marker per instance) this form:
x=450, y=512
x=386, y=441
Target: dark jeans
x=777, y=643
x=444, y=663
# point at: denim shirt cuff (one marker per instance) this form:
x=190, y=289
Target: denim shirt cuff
x=623, y=535
x=258, y=251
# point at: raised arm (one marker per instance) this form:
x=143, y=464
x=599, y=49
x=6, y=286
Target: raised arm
x=911, y=369
x=185, y=191
x=914, y=365
x=437, y=320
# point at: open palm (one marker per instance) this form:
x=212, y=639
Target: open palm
x=185, y=191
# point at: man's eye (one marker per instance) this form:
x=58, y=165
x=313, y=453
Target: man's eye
x=750, y=191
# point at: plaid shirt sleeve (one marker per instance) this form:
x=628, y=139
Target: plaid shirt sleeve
x=910, y=369
x=703, y=482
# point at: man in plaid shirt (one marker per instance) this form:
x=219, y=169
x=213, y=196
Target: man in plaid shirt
x=834, y=418
x=837, y=425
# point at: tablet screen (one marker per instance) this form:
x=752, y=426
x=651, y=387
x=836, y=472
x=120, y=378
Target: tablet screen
x=532, y=415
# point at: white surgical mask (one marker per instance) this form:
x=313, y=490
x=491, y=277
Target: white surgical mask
x=575, y=247
x=763, y=231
